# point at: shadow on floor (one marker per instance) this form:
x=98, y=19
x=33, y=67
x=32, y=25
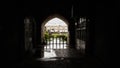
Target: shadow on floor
x=65, y=59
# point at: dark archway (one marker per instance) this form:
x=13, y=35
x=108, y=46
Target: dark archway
x=49, y=18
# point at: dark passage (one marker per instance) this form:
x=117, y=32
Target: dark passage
x=91, y=40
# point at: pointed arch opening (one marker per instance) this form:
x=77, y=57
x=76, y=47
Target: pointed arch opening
x=55, y=33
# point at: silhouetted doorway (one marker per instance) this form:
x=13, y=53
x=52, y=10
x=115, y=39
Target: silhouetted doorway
x=55, y=34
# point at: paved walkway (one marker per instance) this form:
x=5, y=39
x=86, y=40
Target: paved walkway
x=62, y=58
x=65, y=53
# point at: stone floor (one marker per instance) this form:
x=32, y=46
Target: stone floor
x=65, y=58
x=60, y=49
x=65, y=53
x=60, y=63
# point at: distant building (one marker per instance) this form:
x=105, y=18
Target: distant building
x=56, y=25
x=57, y=29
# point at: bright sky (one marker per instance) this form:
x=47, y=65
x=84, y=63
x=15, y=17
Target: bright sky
x=55, y=22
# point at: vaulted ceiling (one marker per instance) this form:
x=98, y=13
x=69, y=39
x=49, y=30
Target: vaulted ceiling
x=47, y=7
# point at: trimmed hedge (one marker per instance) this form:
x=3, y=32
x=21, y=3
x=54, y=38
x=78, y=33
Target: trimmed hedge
x=47, y=36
